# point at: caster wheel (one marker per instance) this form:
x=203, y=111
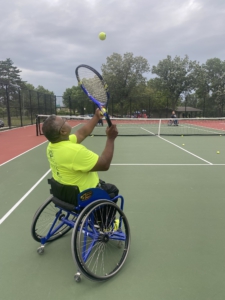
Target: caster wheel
x=77, y=277
x=40, y=250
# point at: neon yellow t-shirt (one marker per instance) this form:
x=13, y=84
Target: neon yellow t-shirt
x=71, y=163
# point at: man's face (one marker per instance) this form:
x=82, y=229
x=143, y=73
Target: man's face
x=63, y=124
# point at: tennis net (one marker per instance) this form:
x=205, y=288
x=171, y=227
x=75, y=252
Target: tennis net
x=149, y=127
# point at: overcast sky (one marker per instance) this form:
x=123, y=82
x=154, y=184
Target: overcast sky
x=47, y=39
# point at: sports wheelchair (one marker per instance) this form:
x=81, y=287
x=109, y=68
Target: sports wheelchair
x=101, y=234
x=172, y=122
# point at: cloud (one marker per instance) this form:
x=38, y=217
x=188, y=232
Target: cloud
x=47, y=39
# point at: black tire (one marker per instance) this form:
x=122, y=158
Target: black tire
x=44, y=218
x=100, y=248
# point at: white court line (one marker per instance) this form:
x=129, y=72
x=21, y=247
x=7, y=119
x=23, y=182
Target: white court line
x=167, y=164
x=37, y=183
x=186, y=151
x=24, y=197
x=199, y=128
x=180, y=147
x=28, y=150
x=34, y=186
x=30, y=190
x=22, y=154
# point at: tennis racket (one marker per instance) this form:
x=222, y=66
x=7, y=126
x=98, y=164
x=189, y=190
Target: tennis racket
x=93, y=85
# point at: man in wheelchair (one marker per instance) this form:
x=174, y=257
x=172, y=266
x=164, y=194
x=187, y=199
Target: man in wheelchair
x=80, y=200
x=173, y=120
x=72, y=163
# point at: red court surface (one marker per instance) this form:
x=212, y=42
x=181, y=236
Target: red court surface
x=17, y=141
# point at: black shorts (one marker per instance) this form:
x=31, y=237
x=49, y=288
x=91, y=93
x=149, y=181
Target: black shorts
x=111, y=189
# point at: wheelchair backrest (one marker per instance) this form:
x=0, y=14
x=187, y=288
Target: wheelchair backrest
x=66, y=193
x=71, y=194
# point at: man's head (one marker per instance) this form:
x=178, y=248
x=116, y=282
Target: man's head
x=56, y=129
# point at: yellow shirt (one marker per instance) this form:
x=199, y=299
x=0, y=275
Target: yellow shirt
x=71, y=163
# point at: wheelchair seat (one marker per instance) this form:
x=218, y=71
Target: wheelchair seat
x=70, y=198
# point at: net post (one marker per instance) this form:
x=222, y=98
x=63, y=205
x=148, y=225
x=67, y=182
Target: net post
x=159, y=127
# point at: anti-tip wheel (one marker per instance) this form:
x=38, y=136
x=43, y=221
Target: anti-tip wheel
x=41, y=250
x=77, y=277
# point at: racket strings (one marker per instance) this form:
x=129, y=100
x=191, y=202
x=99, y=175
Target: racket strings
x=93, y=84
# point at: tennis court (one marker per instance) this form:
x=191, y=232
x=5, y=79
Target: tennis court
x=174, y=200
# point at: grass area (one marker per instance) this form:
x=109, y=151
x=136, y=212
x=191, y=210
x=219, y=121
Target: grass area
x=16, y=121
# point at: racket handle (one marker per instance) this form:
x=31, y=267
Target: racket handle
x=108, y=120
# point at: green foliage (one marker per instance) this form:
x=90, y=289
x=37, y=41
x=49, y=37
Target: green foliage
x=10, y=75
x=41, y=89
x=124, y=74
x=209, y=85
x=9, y=79
x=77, y=101
x=174, y=77
x=19, y=96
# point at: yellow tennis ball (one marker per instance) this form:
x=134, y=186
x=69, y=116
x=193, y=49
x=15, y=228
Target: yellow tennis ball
x=102, y=36
x=183, y=144
x=218, y=152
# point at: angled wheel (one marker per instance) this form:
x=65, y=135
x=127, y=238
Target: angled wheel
x=44, y=219
x=100, y=240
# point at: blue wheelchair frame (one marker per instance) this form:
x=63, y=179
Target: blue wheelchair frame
x=97, y=194
x=88, y=202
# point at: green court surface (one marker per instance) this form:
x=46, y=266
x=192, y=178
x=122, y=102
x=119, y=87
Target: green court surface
x=174, y=202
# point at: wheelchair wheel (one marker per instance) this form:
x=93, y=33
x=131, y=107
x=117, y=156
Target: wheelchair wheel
x=45, y=217
x=100, y=240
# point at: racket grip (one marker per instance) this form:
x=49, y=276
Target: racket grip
x=108, y=120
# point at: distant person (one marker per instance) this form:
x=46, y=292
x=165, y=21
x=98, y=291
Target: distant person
x=174, y=119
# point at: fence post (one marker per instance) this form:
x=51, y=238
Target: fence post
x=8, y=107
x=112, y=107
x=130, y=108
x=31, y=112
x=38, y=102
x=45, y=104
x=55, y=107
x=21, y=118
x=70, y=105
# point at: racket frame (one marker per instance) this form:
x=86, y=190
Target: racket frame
x=98, y=103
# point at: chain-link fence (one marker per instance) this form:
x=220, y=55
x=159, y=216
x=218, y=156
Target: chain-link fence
x=19, y=107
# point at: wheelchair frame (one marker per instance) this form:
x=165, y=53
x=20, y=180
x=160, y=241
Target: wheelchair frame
x=101, y=234
x=173, y=122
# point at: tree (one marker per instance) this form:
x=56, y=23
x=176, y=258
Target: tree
x=124, y=74
x=210, y=85
x=9, y=80
x=9, y=74
x=174, y=77
x=75, y=99
x=202, y=84
x=216, y=70
x=160, y=99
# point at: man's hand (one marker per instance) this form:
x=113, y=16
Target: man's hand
x=99, y=114
x=112, y=132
